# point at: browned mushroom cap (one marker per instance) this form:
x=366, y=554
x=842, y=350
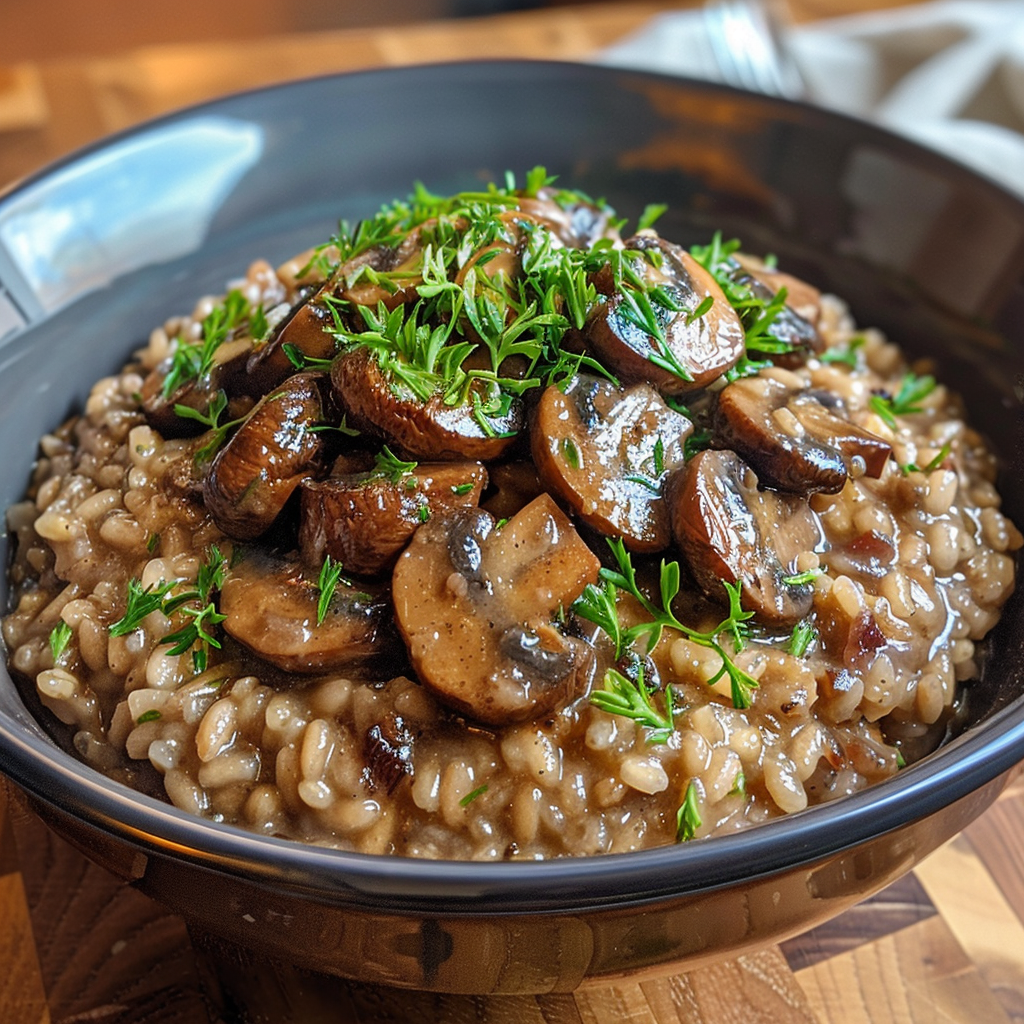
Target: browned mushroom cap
x=575, y=222
x=425, y=430
x=254, y=474
x=270, y=605
x=363, y=521
x=305, y=331
x=729, y=530
x=704, y=346
x=797, y=322
x=227, y=373
x=793, y=439
x=607, y=453
x=475, y=605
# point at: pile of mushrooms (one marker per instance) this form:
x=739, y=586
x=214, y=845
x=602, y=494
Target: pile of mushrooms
x=466, y=563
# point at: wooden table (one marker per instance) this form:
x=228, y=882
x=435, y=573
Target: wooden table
x=946, y=944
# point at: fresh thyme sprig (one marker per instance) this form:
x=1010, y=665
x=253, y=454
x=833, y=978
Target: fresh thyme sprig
x=619, y=695
x=211, y=420
x=913, y=390
x=199, y=606
x=193, y=360
x=141, y=602
x=600, y=606
x=196, y=603
x=60, y=637
x=688, y=818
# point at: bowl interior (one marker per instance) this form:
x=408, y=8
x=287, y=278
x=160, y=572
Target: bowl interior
x=98, y=250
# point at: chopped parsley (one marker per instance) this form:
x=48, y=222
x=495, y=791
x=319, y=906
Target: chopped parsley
x=152, y=715
x=388, y=466
x=619, y=695
x=193, y=360
x=60, y=637
x=913, y=390
x=803, y=635
x=470, y=797
x=688, y=818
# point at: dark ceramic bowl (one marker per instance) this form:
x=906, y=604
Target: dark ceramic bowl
x=96, y=250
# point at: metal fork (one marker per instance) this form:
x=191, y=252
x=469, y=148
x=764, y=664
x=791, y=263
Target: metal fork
x=746, y=42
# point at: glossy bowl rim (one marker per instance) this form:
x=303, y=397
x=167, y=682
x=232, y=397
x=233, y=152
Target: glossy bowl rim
x=410, y=885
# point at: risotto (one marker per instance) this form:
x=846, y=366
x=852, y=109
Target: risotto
x=492, y=530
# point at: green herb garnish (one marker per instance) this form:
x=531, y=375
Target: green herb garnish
x=940, y=458
x=60, y=637
x=140, y=603
x=801, y=578
x=326, y=584
x=470, y=797
x=194, y=360
x=599, y=605
x=621, y=696
x=913, y=390
x=198, y=605
x=804, y=634
x=688, y=818
x=152, y=715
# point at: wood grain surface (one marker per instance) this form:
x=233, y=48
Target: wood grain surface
x=946, y=944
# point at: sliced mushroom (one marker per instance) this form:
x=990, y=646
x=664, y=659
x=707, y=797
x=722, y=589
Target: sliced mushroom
x=575, y=222
x=364, y=520
x=703, y=346
x=511, y=487
x=796, y=324
x=476, y=606
x=428, y=430
x=793, y=440
x=254, y=474
x=607, y=453
x=270, y=605
x=227, y=373
x=729, y=530
x=304, y=331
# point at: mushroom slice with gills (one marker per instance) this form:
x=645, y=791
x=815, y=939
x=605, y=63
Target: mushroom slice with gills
x=364, y=520
x=432, y=429
x=607, y=452
x=270, y=604
x=698, y=348
x=730, y=531
x=254, y=474
x=796, y=440
x=227, y=373
x=477, y=605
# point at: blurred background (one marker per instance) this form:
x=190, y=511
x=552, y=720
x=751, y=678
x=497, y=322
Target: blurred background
x=34, y=30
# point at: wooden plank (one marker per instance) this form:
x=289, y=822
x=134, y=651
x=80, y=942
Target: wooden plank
x=105, y=952
x=902, y=904
x=22, y=996
x=756, y=989
x=919, y=975
x=976, y=912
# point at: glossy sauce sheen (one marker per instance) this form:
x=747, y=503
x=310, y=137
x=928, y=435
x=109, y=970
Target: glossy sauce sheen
x=440, y=701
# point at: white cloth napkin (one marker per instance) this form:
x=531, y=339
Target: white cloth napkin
x=949, y=74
